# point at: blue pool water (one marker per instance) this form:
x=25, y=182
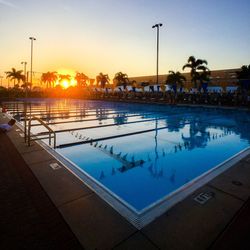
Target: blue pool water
x=169, y=148
x=167, y=163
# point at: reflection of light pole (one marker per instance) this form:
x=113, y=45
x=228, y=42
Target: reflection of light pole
x=31, y=58
x=24, y=72
x=157, y=53
x=156, y=142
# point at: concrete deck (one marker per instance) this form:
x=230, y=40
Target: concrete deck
x=43, y=208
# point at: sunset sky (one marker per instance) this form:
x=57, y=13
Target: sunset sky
x=108, y=36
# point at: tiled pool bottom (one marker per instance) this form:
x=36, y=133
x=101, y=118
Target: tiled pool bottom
x=170, y=155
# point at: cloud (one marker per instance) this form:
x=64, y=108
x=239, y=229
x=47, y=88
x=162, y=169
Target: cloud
x=8, y=4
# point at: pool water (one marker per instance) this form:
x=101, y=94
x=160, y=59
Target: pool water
x=170, y=160
x=141, y=153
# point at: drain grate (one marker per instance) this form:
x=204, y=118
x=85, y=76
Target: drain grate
x=248, y=159
x=203, y=198
x=55, y=166
x=237, y=183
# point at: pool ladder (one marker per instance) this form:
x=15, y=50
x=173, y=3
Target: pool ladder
x=29, y=137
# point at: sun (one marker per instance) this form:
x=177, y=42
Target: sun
x=65, y=84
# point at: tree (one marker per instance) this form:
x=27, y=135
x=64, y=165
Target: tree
x=15, y=75
x=244, y=77
x=3, y=91
x=199, y=72
x=26, y=85
x=203, y=78
x=64, y=77
x=49, y=78
x=91, y=81
x=121, y=79
x=102, y=79
x=175, y=79
x=81, y=79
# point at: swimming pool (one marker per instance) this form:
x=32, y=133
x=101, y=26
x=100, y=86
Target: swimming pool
x=143, y=158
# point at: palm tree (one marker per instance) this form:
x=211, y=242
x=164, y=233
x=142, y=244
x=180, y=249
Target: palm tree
x=81, y=79
x=175, y=79
x=64, y=77
x=26, y=85
x=199, y=71
x=121, y=79
x=91, y=81
x=203, y=78
x=102, y=79
x=49, y=78
x=244, y=77
x=15, y=75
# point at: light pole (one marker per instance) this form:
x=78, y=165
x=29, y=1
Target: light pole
x=1, y=77
x=24, y=68
x=157, y=26
x=31, y=58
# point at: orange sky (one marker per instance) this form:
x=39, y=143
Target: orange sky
x=93, y=36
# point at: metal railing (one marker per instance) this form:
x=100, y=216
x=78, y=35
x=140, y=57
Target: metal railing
x=51, y=134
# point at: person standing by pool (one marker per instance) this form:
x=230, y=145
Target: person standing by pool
x=7, y=126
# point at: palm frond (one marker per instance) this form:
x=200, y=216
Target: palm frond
x=187, y=66
x=191, y=59
x=203, y=68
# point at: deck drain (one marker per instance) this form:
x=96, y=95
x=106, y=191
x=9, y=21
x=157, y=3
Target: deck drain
x=248, y=159
x=55, y=166
x=203, y=198
x=237, y=183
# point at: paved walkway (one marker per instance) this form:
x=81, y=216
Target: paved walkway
x=28, y=219
x=237, y=234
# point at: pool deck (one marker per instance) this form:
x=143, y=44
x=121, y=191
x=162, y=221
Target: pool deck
x=46, y=208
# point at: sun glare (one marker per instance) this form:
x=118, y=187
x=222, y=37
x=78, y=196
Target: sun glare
x=67, y=83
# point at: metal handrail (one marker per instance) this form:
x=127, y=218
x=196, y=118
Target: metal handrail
x=51, y=131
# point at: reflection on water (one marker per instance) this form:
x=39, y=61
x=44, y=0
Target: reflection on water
x=120, y=119
x=174, y=118
x=179, y=143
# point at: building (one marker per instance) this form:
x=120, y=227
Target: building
x=223, y=78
